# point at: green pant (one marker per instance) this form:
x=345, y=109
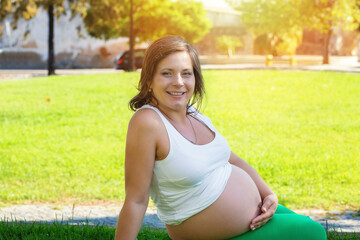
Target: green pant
x=286, y=225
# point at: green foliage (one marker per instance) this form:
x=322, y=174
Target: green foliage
x=152, y=19
x=28, y=9
x=324, y=15
x=278, y=43
x=327, y=16
x=282, y=21
x=227, y=44
x=278, y=20
x=264, y=16
x=288, y=41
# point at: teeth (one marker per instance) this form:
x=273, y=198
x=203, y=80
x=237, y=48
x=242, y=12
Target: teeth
x=175, y=93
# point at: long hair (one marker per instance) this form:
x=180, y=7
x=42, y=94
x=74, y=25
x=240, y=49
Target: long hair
x=157, y=51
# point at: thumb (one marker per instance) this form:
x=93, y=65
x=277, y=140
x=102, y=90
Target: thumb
x=266, y=205
x=263, y=209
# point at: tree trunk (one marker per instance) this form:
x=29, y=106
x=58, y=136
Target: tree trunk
x=51, y=58
x=132, y=65
x=326, y=44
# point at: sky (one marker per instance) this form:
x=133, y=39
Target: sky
x=215, y=3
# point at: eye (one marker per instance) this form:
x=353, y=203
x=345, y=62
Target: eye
x=166, y=73
x=187, y=74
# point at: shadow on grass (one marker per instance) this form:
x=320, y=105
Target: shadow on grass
x=150, y=220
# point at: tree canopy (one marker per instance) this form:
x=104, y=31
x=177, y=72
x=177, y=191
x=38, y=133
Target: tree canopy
x=111, y=18
x=324, y=15
x=276, y=23
x=152, y=19
x=327, y=16
x=18, y=9
x=282, y=21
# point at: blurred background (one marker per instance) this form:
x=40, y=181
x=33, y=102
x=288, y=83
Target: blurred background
x=95, y=34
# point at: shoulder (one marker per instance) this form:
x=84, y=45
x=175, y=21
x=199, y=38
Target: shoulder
x=196, y=112
x=146, y=119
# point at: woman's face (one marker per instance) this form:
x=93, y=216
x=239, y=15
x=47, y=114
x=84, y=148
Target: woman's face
x=174, y=82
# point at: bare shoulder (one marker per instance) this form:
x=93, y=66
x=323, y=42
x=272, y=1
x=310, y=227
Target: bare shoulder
x=145, y=119
x=143, y=133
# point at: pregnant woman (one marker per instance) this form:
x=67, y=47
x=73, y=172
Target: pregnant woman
x=175, y=155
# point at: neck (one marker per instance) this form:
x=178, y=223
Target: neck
x=174, y=116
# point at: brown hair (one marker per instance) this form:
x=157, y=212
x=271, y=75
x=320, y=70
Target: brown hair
x=157, y=51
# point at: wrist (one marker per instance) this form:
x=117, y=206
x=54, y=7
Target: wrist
x=272, y=194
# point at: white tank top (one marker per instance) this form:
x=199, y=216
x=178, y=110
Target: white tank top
x=191, y=177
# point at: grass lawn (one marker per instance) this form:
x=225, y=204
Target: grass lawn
x=31, y=231
x=63, y=137
x=14, y=231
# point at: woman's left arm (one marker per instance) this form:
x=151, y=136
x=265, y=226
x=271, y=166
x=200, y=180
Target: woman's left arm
x=268, y=197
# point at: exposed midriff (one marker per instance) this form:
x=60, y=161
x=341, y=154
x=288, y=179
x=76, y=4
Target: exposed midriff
x=230, y=215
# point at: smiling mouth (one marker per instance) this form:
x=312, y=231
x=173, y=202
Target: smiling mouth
x=176, y=93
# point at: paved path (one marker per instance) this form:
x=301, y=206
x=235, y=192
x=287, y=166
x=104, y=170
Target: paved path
x=93, y=214
x=348, y=221
x=340, y=64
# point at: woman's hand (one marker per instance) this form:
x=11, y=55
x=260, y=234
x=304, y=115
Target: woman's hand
x=268, y=208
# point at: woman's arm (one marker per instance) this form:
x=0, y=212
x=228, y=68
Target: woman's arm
x=263, y=188
x=268, y=197
x=139, y=164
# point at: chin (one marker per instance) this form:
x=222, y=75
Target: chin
x=174, y=106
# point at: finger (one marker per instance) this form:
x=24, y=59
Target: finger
x=266, y=206
x=263, y=221
x=261, y=217
x=257, y=219
x=267, y=214
x=256, y=226
x=260, y=224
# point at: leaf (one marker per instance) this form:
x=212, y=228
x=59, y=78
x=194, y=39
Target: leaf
x=152, y=19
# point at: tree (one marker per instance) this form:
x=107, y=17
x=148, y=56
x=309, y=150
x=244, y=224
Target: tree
x=283, y=20
x=227, y=44
x=151, y=19
x=276, y=22
x=328, y=15
x=18, y=9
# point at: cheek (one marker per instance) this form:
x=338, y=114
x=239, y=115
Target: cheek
x=192, y=85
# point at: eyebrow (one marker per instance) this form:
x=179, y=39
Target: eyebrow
x=171, y=69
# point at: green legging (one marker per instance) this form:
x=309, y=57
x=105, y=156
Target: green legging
x=286, y=225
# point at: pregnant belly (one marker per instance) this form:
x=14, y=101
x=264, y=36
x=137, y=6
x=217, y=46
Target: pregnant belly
x=230, y=215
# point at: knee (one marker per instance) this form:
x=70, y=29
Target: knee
x=312, y=230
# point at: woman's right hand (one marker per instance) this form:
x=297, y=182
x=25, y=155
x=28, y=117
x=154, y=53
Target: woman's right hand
x=268, y=209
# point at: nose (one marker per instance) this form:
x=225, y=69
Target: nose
x=179, y=80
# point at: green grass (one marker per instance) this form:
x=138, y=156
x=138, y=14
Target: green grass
x=332, y=235
x=36, y=231
x=299, y=130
